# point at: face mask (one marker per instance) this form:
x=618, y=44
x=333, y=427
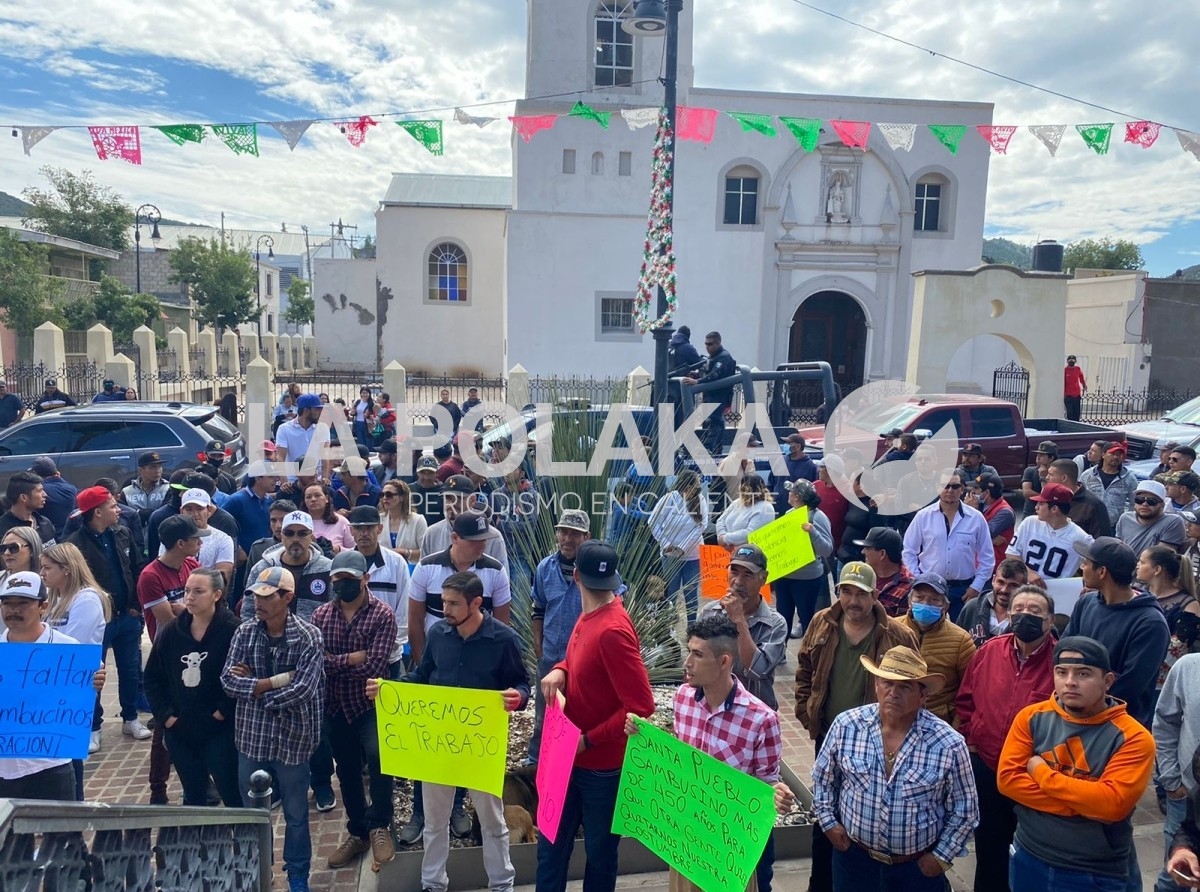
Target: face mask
x=346, y=589
x=1026, y=627
x=926, y=614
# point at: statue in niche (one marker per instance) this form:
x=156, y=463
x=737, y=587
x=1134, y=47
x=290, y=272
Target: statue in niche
x=837, y=199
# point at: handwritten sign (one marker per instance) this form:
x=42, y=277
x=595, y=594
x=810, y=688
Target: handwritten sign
x=1066, y=593
x=560, y=740
x=704, y=818
x=443, y=735
x=46, y=700
x=785, y=543
x=714, y=574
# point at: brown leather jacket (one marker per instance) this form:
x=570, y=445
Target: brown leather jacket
x=816, y=656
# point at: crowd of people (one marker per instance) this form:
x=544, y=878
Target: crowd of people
x=943, y=699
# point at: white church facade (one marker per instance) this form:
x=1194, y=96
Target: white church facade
x=792, y=255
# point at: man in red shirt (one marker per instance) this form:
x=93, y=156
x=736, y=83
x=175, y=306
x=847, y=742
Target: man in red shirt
x=1074, y=387
x=603, y=679
x=1007, y=673
x=160, y=592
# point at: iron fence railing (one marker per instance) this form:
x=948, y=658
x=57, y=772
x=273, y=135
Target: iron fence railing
x=79, y=380
x=1114, y=407
x=1011, y=382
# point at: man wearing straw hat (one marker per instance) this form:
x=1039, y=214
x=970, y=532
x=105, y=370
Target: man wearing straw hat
x=893, y=789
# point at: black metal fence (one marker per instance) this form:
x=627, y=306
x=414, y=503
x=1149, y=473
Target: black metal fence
x=1113, y=407
x=1011, y=382
x=80, y=381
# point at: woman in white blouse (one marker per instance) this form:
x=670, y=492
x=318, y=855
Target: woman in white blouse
x=403, y=528
x=752, y=510
x=677, y=523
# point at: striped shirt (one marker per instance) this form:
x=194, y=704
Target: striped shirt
x=927, y=805
x=743, y=732
x=427, y=582
x=388, y=580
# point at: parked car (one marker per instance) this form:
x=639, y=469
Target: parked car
x=1008, y=440
x=1183, y=436
x=1180, y=425
x=105, y=439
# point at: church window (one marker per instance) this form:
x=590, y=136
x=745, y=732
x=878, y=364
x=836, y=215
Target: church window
x=929, y=214
x=614, y=48
x=741, y=198
x=616, y=315
x=448, y=274
x=597, y=163
x=568, y=160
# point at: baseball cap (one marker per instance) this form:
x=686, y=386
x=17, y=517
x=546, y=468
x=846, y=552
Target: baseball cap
x=1054, y=493
x=353, y=466
x=92, y=497
x=267, y=447
x=213, y=446
x=596, y=562
x=177, y=528
x=388, y=446
x=365, y=516
x=1047, y=447
x=23, y=585
x=1110, y=553
x=44, y=466
x=274, y=579
x=885, y=539
x=1091, y=652
x=858, y=574
x=308, y=401
x=149, y=458
x=195, y=497
x=1153, y=487
x=972, y=449
x=109, y=383
x=1117, y=448
x=51, y=382
x=794, y=440
x=934, y=580
x=574, y=519
x=298, y=518
x=350, y=562
x=1190, y=516
x=749, y=556
x=427, y=463
x=471, y=525
x=993, y=484
x=459, y=483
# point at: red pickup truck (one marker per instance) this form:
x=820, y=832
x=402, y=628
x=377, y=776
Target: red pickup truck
x=1008, y=440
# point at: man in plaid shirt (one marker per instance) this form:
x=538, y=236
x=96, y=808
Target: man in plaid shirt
x=717, y=715
x=276, y=672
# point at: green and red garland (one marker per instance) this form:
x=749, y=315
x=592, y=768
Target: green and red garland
x=658, y=252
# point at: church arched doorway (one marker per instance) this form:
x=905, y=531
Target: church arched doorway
x=831, y=326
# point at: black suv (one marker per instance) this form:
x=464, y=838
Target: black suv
x=105, y=439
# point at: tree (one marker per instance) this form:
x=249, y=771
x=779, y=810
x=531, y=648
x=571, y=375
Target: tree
x=366, y=251
x=1002, y=250
x=220, y=279
x=301, y=308
x=28, y=295
x=78, y=207
x=1104, y=253
x=115, y=308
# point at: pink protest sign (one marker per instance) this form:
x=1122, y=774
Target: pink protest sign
x=560, y=740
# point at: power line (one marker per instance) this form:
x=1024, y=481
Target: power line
x=974, y=67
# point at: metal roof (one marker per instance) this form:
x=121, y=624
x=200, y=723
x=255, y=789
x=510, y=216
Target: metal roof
x=63, y=244
x=449, y=190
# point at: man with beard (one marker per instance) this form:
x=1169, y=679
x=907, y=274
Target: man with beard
x=1149, y=524
x=987, y=616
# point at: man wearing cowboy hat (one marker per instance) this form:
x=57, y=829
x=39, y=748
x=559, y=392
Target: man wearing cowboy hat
x=893, y=788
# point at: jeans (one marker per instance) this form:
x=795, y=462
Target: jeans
x=352, y=742
x=591, y=800
x=764, y=871
x=856, y=871
x=955, y=591
x=1028, y=872
x=799, y=596
x=1176, y=812
x=56, y=783
x=320, y=764
x=1072, y=405
x=160, y=767
x=436, y=839
x=539, y=711
x=683, y=576
x=993, y=836
x=821, y=879
x=199, y=753
x=123, y=635
x=292, y=782
x=361, y=434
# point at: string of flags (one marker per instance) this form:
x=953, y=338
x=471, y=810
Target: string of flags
x=125, y=143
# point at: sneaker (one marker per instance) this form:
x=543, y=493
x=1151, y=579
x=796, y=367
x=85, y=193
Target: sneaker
x=297, y=884
x=460, y=823
x=383, y=849
x=795, y=634
x=412, y=831
x=151, y=722
x=348, y=851
x=326, y=801
x=136, y=730
x=276, y=801
x=94, y=743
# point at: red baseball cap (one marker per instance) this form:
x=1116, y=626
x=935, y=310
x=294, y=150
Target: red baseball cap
x=1054, y=493
x=92, y=497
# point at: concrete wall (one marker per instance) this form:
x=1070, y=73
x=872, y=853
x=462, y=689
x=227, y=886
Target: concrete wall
x=1104, y=328
x=345, y=339
x=156, y=272
x=1026, y=310
x=1172, y=320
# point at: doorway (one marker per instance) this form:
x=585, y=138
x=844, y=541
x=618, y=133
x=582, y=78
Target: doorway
x=830, y=326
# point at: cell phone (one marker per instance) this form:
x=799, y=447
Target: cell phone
x=1179, y=874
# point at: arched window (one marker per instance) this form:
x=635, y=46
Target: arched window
x=741, y=196
x=448, y=274
x=614, y=48
x=598, y=163
x=931, y=204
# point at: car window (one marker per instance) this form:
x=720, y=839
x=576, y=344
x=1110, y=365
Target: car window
x=46, y=438
x=992, y=421
x=113, y=434
x=935, y=419
x=94, y=435
x=149, y=435
x=215, y=427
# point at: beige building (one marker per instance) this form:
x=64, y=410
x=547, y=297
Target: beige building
x=1105, y=328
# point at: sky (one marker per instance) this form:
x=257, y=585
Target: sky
x=157, y=62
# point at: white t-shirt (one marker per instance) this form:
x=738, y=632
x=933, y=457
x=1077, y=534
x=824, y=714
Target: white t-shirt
x=12, y=769
x=360, y=411
x=296, y=439
x=84, y=619
x=1049, y=552
x=215, y=548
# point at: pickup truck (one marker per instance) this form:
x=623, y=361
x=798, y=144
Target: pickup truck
x=1008, y=440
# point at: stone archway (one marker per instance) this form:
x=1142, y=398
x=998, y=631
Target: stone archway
x=831, y=326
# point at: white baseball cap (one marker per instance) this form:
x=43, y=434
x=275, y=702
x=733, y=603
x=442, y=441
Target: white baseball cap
x=298, y=518
x=196, y=497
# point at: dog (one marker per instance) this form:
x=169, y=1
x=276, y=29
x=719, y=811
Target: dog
x=520, y=806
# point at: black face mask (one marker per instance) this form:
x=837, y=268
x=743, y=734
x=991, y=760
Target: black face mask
x=346, y=589
x=1027, y=627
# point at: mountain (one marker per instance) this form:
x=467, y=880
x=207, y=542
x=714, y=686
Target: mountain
x=1192, y=272
x=11, y=206
x=1002, y=250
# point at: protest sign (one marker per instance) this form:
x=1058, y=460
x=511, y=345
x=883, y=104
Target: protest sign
x=443, y=735
x=560, y=740
x=46, y=700
x=1065, y=592
x=785, y=543
x=714, y=574
x=704, y=818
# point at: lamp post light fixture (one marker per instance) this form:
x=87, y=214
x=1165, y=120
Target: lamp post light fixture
x=152, y=215
x=270, y=243
x=658, y=18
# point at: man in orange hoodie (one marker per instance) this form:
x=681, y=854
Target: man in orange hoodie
x=1076, y=765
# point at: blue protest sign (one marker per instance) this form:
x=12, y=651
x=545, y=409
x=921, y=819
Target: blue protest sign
x=46, y=700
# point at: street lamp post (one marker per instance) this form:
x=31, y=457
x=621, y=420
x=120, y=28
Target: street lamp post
x=152, y=215
x=654, y=18
x=270, y=243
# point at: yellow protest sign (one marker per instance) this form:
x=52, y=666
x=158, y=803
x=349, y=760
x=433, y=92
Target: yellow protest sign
x=442, y=735
x=785, y=543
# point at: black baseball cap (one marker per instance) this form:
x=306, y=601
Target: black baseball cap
x=365, y=516
x=596, y=562
x=177, y=528
x=471, y=525
x=1091, y=652
x=1110, y=553
x=885, y=539
x=993, y=484
x=459, y=483
x=149, y=458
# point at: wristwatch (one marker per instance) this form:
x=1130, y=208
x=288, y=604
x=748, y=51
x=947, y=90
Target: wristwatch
x=945, y=865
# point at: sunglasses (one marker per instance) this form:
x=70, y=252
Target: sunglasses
x=1143, y=500
x=296, y=534
x=12, y=547
x=388, y=495
x=1173, y=459
x=953, y=486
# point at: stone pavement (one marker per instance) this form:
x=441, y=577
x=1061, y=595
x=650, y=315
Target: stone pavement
x=117, y=774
